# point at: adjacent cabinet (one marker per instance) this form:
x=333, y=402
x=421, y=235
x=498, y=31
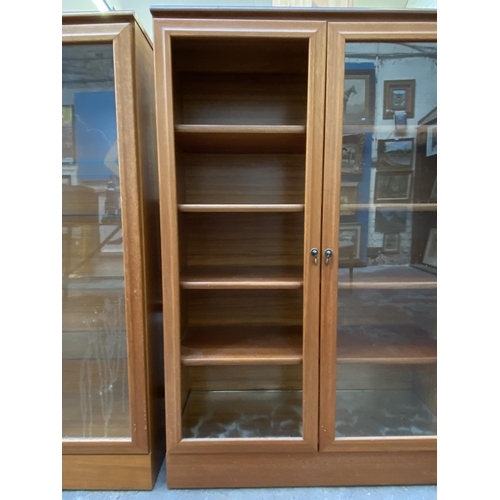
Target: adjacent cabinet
x=298, y=200
x=112, y=394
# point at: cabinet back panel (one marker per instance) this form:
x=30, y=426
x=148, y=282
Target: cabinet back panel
x=243, y=307
x=365, y=376
x=240, y=378
x=241, y=99
x=244, y=239
x=243, y=178
x=245, y=55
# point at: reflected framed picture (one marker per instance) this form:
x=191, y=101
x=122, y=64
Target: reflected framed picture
x=111, y=238
x=393, y=187
x=352, y=153
x=390, y=221
x=430, y=254
x=395, y=154
x=350, y=241
x=432, y=140
x=359, y=96
x=348, y=198
x=399, y=95
x=434, y=195
x=68, y=135
x=391, y=243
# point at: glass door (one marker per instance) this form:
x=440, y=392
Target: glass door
x=95, y=382
x=382, y=242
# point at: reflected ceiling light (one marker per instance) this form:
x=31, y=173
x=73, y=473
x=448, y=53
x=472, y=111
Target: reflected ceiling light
x=102, y=5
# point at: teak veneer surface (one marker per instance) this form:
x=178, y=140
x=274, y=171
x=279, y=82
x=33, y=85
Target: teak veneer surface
x=229, y=345
x=242, y=178
x=201, y=277
x=203, y=138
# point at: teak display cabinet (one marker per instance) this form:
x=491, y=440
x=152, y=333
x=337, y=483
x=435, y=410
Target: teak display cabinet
x=291, y=359
x=112, y=344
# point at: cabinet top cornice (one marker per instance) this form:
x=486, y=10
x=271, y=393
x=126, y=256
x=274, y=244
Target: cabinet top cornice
x=313, y=14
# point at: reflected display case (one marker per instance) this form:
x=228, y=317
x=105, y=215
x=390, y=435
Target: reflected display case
x=112, y=366
x=297, y=163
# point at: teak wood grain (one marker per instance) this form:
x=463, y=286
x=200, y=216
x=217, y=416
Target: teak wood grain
x=197, y=116
x=239, y=470
x=242, y=345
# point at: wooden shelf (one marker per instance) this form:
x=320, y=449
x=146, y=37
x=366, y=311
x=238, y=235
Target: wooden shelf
x=241, y=138
x=237, y=345
x=408, y=207
x=237, y=414
x=215, y=277
x=386, y=344
x=247, y=207
x=383, y=277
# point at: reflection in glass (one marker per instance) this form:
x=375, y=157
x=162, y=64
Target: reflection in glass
x=387, y=285
x=94, y=350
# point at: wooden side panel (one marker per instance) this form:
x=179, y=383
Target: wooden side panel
x=146, y=130
x=107, y=472
x=302, y=469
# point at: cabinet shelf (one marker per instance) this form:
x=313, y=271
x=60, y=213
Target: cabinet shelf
x=391, y=344
x=247, y=207
x=228, y=345
x=386, y=277
x=215, y=277
x=241, y=138
x=85, y=283
x=408, y=207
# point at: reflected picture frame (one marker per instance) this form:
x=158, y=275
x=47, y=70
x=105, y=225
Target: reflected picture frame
x=353, y=146
x=350, y=241
x=399, y=95
x=430, y=254
x=431, y=142
x=348, y=196
x=391, y=243
x=359, y=96
x=393, y=187
x=68, y=135
x=395, y=154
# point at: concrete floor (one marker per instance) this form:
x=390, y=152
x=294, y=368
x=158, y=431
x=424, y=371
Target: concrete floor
x=160, y=491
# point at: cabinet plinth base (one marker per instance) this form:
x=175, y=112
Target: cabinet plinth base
x=109, y=472
x=307, y=469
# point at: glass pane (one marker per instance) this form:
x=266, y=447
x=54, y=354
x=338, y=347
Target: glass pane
x=94, y=350
x=387, y=286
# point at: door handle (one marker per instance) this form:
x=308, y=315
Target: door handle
x=314, y=253
x=328, y=255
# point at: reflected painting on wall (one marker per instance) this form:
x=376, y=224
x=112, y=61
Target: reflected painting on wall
x=352, y=153
x=399, y=95
x=68, y=136
x=430, y=255
x=350, y=241
x=391, y=243
x=395, y=154
x=348, y=198
x=394, y=186
x=359, y=98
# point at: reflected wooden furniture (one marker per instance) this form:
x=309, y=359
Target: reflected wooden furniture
x=123, y=449
x=248, y=209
